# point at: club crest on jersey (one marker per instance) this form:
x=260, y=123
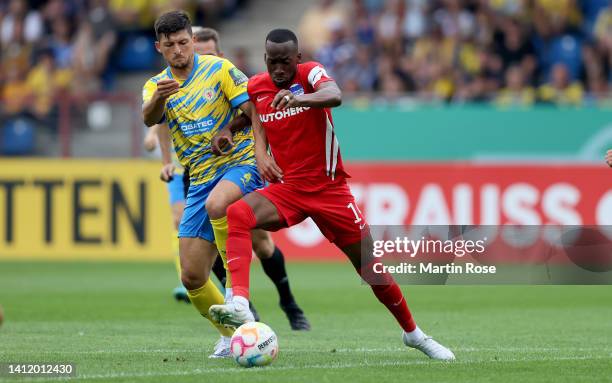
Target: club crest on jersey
x=209, y=94
x=296, y=89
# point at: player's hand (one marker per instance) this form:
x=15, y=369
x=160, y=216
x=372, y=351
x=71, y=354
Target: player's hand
x=285, y=99
x=222, y=142
x=609, y=158
x=268, y=168
x=167, y=172
x=166, y=88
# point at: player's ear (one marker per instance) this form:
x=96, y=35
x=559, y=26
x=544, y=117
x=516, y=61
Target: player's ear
x=157, y=47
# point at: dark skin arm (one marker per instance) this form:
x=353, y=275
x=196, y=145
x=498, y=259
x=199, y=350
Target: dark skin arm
x=266, y=165
x=222, y=142
x=327, y=95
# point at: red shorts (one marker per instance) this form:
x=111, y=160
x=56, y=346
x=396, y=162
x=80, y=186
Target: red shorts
x=333, y=209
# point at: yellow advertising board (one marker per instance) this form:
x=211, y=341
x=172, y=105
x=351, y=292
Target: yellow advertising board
x=83, y=209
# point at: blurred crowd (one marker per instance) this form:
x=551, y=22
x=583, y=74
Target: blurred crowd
x=49, y=47
x=509, y=52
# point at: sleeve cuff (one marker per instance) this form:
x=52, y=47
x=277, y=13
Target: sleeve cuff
x=239, y=100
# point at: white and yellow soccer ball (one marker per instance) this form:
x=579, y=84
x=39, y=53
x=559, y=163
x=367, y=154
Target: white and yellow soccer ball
x=254, y=344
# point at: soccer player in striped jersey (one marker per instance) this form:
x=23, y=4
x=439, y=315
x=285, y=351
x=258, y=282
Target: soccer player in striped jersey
x=206, y=42
x=197, y=96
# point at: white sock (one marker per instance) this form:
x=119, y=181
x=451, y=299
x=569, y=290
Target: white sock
x=241, y=301
x=415, y=336
x=229, y=294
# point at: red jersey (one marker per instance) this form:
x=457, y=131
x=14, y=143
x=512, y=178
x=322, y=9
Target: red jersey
x=302, y=140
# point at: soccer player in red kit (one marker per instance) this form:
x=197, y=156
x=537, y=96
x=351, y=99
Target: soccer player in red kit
x=307, y=179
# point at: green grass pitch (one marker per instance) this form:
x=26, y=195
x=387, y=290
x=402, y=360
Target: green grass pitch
x=118, y=323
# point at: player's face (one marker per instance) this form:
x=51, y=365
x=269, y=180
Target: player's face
x=206, y=48
x=281, y=60
x=177, y=49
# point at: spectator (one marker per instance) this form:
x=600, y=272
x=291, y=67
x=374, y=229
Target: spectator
x=514, y=49
x=61, y=42
x=95, y=40
x=15, y=93
x=515, y=93
x=560, y=91
x=454, y=21
x=314, y=29
x=31, y=28
x=132, y=15
x=45, y=82
x=240, y=59
x=336, y=55
x=603, y=33
x=360, y=72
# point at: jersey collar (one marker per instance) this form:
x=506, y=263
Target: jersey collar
x=193, y=70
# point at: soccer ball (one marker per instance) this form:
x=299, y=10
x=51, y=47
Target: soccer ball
x=254, y=344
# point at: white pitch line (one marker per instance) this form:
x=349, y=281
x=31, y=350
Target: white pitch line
x=232, y=370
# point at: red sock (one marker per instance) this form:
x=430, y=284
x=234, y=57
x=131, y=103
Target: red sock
x=389, y=294
x=241, y=220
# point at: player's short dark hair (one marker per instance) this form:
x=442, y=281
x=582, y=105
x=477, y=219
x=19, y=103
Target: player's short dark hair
x=172, y=22
x=203, y=35
x=280, y=36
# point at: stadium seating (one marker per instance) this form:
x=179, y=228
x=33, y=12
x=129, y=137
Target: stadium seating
x=17, y=137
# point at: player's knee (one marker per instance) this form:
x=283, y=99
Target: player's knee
x=240, y=216
x=192, y=279
x=216, y=207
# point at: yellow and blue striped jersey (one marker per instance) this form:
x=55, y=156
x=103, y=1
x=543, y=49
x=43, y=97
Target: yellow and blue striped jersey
x=205, y=103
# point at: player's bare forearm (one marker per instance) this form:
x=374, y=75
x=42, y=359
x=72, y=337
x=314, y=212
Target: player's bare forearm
x=243, y=120
x=163, y=136
x=266, y=165
x=327, y=95
x=150, y=140
x=153, y=111
x=261, y=141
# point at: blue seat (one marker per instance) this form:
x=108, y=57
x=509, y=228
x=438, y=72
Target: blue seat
x=18, y=137
x=565, y=49
x=137, y=53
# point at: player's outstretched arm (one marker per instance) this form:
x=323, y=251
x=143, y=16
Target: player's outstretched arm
x=153, y=109
x=222, y=142
x=327, y=95
x=609, y=157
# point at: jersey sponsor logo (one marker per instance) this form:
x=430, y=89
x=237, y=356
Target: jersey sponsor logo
x=237, y=76
x=282, y=114
x=296, y=89
x=194, y=128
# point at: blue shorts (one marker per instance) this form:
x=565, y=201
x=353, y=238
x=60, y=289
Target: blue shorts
x=176, y=190
x=195, y=222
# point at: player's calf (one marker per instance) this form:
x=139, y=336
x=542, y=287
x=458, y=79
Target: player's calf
x=389, y=294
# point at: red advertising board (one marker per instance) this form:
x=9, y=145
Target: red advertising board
x=452, y=193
